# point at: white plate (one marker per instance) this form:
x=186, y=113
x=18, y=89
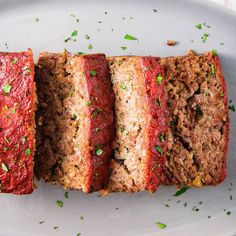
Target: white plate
x=122, y=214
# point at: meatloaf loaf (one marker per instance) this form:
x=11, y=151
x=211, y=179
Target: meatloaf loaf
x=199, y=123
x=141, y=124
x=17, y=125
x=75, y=120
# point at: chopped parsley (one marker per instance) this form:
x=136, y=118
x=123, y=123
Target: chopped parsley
x=231, y=106
x=161, y=138
x=129, y=37
x=14, y=61
x=87, y=37
x=159, y=101
x=77, y=20
x=221, y=44
x=60, y=203
x=204, y=37
x=81, y=217
x=213, y=69
x=99, y=152
x=222, y=94
x=93, y=73
x=37, y=19
x=214, y=52
x=127, y=149
x=89, y=103
x=122, y=129
x=198, y=26
x=96, y=111
x=55, y=227
x=79, y=234
x=80, y=53
x=66, y=194
x=41, y=222
x=74, y=116
x=155, y=10
x=4, y=167
x=6, y=89
x=161, y=225
x=158, y=148
x=228, y=213
x=90, y=46
x=123, y=48
x=27, y=151
x=181, y=191
x=123, y=87
x=159, y=79
x=74, y=33
x=167, y=205
x=185, y=204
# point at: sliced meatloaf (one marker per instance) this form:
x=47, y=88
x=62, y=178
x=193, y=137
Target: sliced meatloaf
x=75, y=120
x=199, y=121
x=17, y=125
x=141, y=124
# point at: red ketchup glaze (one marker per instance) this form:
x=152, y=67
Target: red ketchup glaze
x=156, y=98
x=17, y=106
x=101, y=112
x=219, y=73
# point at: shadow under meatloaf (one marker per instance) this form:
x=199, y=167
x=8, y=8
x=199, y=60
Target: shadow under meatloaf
x=75, y=120
x=199, y=121
x=141, y=124
x=17, y=125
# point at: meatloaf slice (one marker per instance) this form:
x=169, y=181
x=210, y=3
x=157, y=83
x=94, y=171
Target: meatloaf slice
x=74, y=120
x=141, y=124
x=199, y=121
x=17, y=125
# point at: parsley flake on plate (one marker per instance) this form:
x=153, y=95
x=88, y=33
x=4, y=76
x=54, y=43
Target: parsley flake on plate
x=129, y=37
x=6, y=89
x=161, y=225
x=74, y=33
x=181, y=191
x=60, y=203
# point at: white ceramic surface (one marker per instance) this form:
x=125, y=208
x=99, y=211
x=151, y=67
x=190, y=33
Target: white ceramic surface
x=122, y=214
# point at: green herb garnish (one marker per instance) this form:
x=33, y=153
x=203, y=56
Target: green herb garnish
x=159, y=101
x=158, y=148
x=123, y=87
x=66, y=194
x=198, y=26
x=212, y=69
x=89, y=103
x=159, y=79
x=99, y=152
x=129, y=37
x=27, y=151
x=79, y=234
x=93, y=73
x=214, y=52
x=4, y=167
x=6, y=89
x=127, y=149
x=181, y=191
x=222, y=94
x=123, y=48
x=60, y=203
x=90, y=46
x=67, y=39
x=87, y=37
x=161, y=225
x=14, y=61
x=122, y=129
x=204, y=37
x=80, y=53
x=161, y=138
x=232, y=108
x=41, y=222
x=74, y=33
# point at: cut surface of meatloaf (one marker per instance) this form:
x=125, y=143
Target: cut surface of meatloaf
x=17, y=125
x=75, y=120
x=141, y=124
x=199, y=122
